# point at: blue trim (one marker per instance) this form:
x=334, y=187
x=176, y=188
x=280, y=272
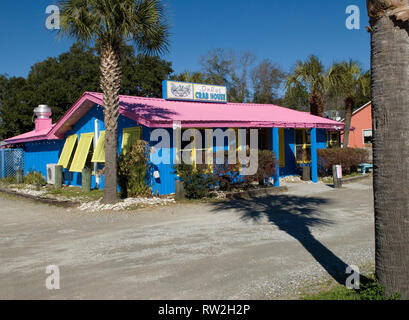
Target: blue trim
x=2, y=165
x=276, y=149
x=314, y=155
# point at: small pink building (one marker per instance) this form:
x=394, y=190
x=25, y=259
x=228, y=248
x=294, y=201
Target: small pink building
x=361, y=135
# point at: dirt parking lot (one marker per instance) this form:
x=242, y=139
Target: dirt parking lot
x=261, y=249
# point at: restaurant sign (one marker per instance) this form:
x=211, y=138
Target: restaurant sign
x=175, y=90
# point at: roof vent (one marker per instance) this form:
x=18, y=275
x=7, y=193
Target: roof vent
x=43, y=117
x=43, y=111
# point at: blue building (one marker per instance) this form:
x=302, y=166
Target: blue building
x=77, y=140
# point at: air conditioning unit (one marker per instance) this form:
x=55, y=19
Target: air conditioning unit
x=51, y=173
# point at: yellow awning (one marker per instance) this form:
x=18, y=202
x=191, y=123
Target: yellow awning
x=99, y=153
x=67, y=150
x=81, y=154
x=129, y=137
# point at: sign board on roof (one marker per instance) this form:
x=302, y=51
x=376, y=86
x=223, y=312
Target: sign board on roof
x=175, y=90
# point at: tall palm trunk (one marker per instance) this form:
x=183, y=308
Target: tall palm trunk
x=316, y=103
x=390, y=108
x=349, y=104
x=111, y=75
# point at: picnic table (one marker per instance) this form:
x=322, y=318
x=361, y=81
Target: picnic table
x=365, y=167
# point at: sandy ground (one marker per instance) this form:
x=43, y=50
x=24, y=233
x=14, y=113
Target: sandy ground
x=266, y=248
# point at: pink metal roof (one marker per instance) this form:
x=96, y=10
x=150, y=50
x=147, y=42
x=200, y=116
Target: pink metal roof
x=160, y=113
x=31, y=136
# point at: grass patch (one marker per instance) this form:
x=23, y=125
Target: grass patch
x=76, y=193
x=330, y=179
x=333, y=292
x=8, y=181
x=370, y=290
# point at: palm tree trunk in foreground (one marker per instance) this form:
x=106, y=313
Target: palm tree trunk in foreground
x=349, y=104
x=111, y=75
x=390, y=103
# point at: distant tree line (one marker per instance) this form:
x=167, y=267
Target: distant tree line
x=60, y=81
x=308, y=86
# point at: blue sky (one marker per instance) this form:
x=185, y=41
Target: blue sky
x=283, y=31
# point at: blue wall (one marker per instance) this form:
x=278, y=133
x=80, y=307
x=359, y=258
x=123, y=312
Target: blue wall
x=166, y=182
x=40, y=153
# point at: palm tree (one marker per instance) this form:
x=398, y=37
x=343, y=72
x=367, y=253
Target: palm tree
x=346, y=79
x=111, y=23
x=390, y=100
x=310, y=75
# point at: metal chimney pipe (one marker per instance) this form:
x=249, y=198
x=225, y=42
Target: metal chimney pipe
x=43, y=111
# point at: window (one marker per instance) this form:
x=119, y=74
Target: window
x=129, y=137
x=302, y=146
x=333, y=139
x=264, y=139
x=196, y=147
x=367, y=137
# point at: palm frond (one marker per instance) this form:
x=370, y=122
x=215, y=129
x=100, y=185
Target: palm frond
x=116, y=22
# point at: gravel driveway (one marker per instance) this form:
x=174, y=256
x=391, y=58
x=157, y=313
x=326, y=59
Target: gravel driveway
x=261, y=249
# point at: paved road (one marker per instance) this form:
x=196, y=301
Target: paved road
x=261, y=249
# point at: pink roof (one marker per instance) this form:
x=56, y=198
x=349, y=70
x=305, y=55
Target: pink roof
x=160, y=113
x=31, y=136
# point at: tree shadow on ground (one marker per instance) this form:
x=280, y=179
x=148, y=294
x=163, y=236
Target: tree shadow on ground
x=294, y=215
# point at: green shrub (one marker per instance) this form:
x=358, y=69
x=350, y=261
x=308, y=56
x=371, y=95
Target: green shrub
x=227, y=175
x=370, y=290
x=133, y=171
x=35, y=178
x=267, y=165
x=348, y=158
x=196, y=181
x=373, y=290
x=9, y=180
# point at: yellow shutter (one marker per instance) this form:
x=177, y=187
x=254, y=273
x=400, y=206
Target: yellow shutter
x=67, y=151
x=99, y=153
x=129, y=137
x=81, y=154
x=282, y=147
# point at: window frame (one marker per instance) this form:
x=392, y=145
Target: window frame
x=363, y=136
x=305, y=145
x=330, y=140
x=180, y=150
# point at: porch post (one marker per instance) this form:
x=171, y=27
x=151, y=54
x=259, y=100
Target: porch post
x=276, y=150
x=314, y=156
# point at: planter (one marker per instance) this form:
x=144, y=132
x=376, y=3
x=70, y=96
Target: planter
x=179, y=190
x=306, y=173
